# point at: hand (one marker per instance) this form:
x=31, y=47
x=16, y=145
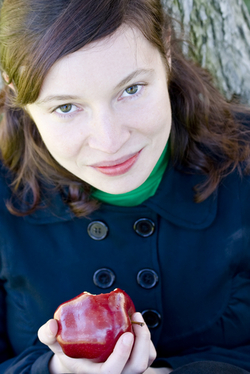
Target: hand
x=158, y=371
x=129, y=356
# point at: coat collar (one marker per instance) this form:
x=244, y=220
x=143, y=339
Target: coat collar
x=174, y=201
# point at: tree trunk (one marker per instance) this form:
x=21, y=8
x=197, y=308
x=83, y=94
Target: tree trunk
x=219, y=30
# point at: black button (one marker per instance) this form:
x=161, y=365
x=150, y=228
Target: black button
x=144, y=227
x=104, y=278
x=97, y=230
x=152, y=318
x=147, y=278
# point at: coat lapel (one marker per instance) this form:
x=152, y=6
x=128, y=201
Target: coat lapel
x=174, y=200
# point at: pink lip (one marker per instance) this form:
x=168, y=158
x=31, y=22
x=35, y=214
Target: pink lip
x=118, y=167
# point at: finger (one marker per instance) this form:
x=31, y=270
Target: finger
x=47, y=332
x=120, y=355
x=60, y=363
x=143, y=351
x=140, y=357
x=47, y=335
x=152, y=354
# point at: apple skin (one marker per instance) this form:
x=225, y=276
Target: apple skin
x=90, y=325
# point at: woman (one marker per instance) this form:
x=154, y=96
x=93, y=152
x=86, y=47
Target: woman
x=108, y=135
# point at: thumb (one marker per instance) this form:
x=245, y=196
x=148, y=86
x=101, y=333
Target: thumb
x=120, y=355
x=47, y=332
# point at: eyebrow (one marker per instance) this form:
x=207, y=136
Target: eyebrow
x=133, y=75
x=121, y=84
x=57, y=98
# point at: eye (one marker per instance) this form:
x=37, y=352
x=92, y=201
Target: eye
x=66, y=108
x=134, y=90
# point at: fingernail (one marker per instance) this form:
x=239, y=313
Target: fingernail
x=138, y=317
x=52, y=329
x=127, y=339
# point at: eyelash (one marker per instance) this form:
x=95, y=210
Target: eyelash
x=69, y=115
x=138, y=93
x=66, y=115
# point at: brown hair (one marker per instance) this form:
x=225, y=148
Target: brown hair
x=34, y=34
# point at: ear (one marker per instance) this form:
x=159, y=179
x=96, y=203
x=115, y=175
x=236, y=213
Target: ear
x=6, y=80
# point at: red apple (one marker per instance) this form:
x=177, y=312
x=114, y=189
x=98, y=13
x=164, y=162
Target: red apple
x=90, y=325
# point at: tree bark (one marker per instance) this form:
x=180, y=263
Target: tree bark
x=219, y=31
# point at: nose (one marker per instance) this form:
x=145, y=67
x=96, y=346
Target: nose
x=108, y=131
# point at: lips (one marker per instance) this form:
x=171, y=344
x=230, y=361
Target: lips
x=118, y=167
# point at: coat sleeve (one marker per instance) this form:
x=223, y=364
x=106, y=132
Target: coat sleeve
x=238, y=357
x=33, y=360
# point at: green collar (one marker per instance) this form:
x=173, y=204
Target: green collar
x=141, y=193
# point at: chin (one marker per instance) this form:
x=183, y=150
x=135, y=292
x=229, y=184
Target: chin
x=122, y=189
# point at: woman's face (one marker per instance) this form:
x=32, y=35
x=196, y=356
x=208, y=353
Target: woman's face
x=104, y=111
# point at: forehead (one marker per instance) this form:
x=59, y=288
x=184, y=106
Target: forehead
x=110, y=58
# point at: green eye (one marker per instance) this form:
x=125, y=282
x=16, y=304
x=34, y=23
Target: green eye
x=65, y=108
x=132, y=90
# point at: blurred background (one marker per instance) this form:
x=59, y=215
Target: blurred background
x=218, y=35
x=248, y=4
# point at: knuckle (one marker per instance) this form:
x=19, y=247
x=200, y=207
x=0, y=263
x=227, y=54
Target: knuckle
x=142, y=366
x=146, y=334
x=153, y=352
x=154, y=355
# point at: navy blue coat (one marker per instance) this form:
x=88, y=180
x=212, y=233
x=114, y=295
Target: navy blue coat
x=197, y=282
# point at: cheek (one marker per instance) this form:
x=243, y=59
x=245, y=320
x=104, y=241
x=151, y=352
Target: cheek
x=61, y=141
x=163, y=113
x=155, y=117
